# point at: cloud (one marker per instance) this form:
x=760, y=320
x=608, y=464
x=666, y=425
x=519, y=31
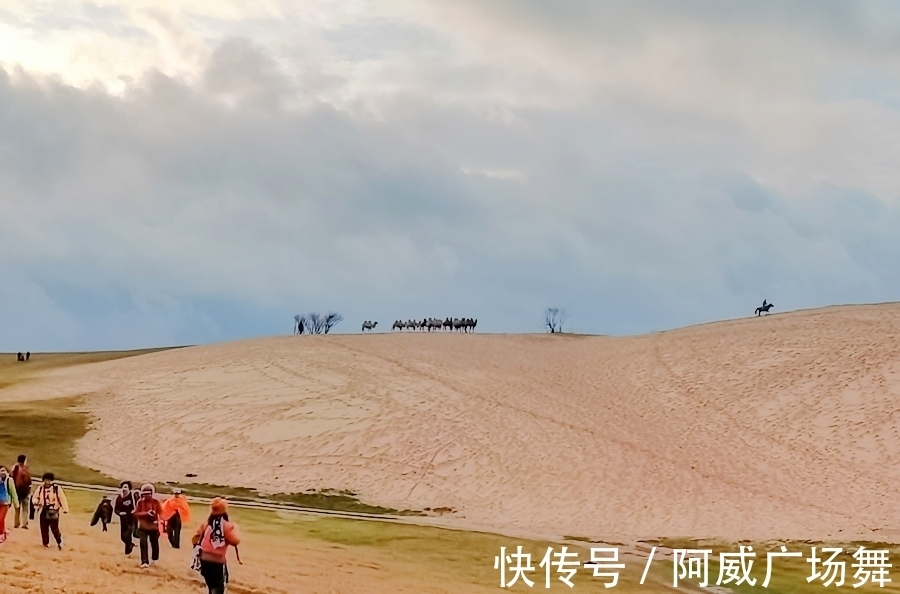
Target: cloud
x=645, y=166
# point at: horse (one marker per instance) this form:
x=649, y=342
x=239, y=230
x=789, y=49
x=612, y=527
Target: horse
x=763, y=309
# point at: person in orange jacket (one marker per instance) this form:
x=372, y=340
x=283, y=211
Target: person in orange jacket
x=214, y=536
x=148, y=512
x=176, y=512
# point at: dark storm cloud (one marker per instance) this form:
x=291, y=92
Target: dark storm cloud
x=638, y=190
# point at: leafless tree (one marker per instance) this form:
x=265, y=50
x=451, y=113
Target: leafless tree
x=330, y=320
x=313, y=323
x=316, y=323
x=554, y=318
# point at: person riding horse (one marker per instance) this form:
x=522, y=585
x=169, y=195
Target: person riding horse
x=765, y=308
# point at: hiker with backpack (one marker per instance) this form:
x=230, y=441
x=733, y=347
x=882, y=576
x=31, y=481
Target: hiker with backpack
x=211, y=543
x=124, y=506
x=8, y=499
x=49, y=501
x=148, y=513
x=22, y=478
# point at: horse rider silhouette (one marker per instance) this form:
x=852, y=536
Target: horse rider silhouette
x=766, y=306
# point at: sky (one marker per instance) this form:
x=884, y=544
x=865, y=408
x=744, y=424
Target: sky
x=194, y=172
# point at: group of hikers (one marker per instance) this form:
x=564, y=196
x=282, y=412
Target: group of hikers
x=141, y=515
x=47, y=502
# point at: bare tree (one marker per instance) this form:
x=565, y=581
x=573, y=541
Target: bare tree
x=554, y=318
x=313, y=323
x=331, y=320
x=316, y=323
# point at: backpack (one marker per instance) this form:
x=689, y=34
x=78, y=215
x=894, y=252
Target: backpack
x=21, y=476
x=7, y=489
x=51, y=513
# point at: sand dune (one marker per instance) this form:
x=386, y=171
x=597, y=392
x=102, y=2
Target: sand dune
x=778, y=427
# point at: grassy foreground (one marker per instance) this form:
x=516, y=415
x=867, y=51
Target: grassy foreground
x=455, y=561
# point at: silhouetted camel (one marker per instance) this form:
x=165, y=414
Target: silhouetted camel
x=369, y=326
x=432, y=324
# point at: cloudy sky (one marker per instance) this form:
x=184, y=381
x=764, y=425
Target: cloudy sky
x=188, y=172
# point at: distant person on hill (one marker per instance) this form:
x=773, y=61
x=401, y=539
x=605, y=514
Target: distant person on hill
x=8, y=499
x=22, y=477
x=148, y=513
x=213, y=538
x=175, y=513
x=124, y=509
x=49, y=500
x=20, y=356
x=28, y=356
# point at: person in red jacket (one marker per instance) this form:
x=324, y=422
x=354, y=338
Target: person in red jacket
x=148, y=514
x=214, y=536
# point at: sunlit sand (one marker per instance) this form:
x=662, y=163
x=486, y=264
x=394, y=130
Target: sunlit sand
x=775, y=427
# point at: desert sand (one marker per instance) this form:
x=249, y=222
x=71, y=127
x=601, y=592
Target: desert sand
x=775, y=427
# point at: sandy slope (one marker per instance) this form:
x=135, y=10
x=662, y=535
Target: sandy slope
x=783, y=426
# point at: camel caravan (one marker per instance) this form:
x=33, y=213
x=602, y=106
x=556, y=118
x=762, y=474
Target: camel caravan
x=437, y=324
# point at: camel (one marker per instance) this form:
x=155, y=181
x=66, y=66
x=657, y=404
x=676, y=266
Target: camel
x=369, y=326
x=764, y=309
x=431, y=324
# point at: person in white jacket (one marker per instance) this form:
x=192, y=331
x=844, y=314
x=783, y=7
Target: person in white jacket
x=49, y=501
